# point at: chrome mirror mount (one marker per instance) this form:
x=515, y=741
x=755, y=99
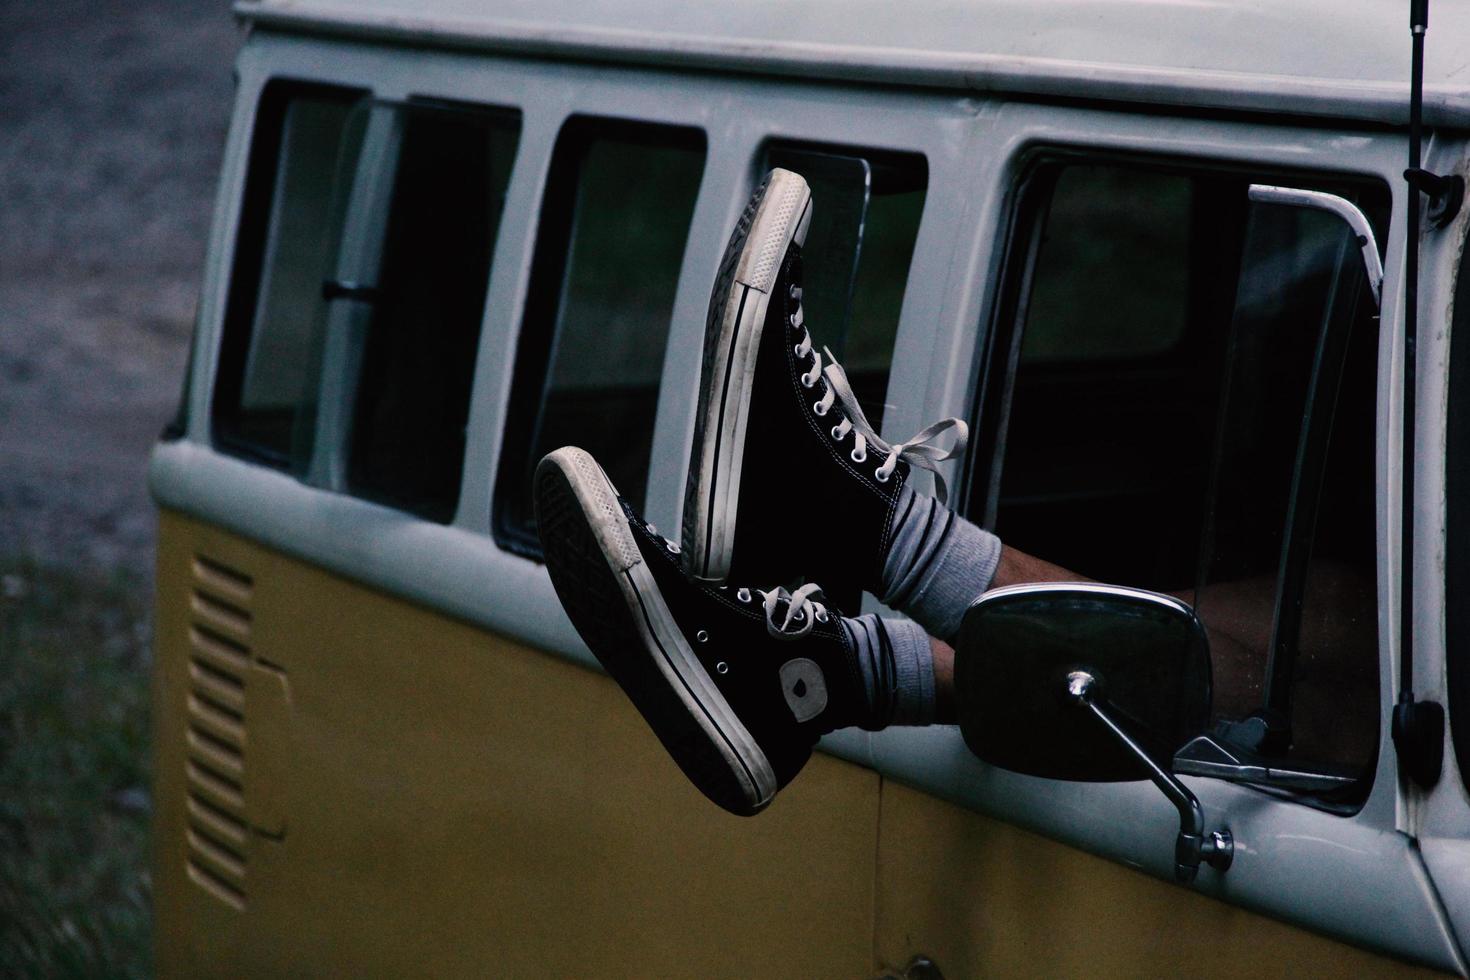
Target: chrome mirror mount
x=1349, y=212
x=1193, y=845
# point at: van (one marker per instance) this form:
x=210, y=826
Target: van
x=451, y=237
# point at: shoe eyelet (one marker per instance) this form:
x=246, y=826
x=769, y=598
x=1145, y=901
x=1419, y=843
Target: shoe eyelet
x=807, y=381
x=837, y=432
x=822, y=616
x=856, y=458
x=743, y=595
x=818, y=409
x=671, y=547
x=799, y=616
x=882, y=475
x=722, y=668
x=702, y=636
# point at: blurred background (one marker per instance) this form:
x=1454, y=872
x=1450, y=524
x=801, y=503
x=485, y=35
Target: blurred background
x=112, y=123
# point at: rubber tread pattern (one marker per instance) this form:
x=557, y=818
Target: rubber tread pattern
x=773, y=249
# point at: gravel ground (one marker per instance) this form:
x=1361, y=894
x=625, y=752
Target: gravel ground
x=112, y=121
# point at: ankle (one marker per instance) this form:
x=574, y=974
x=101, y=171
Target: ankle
x=937, y=563
x=919, y=528
x=895, y=662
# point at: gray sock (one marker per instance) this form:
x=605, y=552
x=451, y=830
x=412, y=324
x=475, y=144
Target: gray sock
x=938, y=564
x=897, y=666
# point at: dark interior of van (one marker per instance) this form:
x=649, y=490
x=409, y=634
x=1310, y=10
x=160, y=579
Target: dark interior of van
x=1145, y=414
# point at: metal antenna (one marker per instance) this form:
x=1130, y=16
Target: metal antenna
x=1418, y=726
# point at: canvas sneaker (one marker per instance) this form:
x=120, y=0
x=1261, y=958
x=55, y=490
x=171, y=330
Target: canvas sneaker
x=737, y=683
x=779, y=429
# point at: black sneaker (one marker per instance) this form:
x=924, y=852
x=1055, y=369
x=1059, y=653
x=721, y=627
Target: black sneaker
x=737, y=684
x=776, y=433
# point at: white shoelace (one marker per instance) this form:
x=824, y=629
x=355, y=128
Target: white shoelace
x=921, y=449
x=800, y=609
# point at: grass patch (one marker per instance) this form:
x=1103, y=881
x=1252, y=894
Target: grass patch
x=74, y=784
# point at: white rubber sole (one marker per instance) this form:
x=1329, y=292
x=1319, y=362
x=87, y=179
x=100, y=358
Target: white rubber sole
x=781, y=218
x=661, y=642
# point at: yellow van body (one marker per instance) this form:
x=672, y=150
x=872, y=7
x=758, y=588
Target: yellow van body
x=394, y=821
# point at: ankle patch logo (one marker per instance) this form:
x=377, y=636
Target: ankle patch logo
x=805, y=688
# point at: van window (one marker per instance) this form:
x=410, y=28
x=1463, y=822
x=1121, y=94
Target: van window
x=359, y=289
x=614, y=223
x=1181, y=397
x=866, y=206
x=286, y=246
x=1082, y=314
x=422, y=323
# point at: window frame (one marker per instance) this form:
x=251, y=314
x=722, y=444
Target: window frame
x=998, y=355
x=328, y=465
x=1457, y=520
x=544, y=296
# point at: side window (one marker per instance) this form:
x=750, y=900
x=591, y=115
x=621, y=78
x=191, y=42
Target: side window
x=614, y=223
x=865, y=219
x=264, y=399
x=420, y=324
x=1081, y=314
x=1180, y=396
x=359, y=290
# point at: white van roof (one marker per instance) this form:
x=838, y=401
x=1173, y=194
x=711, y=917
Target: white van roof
x=1342, y=58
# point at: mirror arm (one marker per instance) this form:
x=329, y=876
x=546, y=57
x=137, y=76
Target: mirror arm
x=1192, y=845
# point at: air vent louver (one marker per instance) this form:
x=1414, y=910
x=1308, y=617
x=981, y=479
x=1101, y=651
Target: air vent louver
x=219, y=658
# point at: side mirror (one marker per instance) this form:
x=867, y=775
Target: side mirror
x=1090, y=682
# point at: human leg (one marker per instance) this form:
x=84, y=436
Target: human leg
x=787, y=481
x=737, y=682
